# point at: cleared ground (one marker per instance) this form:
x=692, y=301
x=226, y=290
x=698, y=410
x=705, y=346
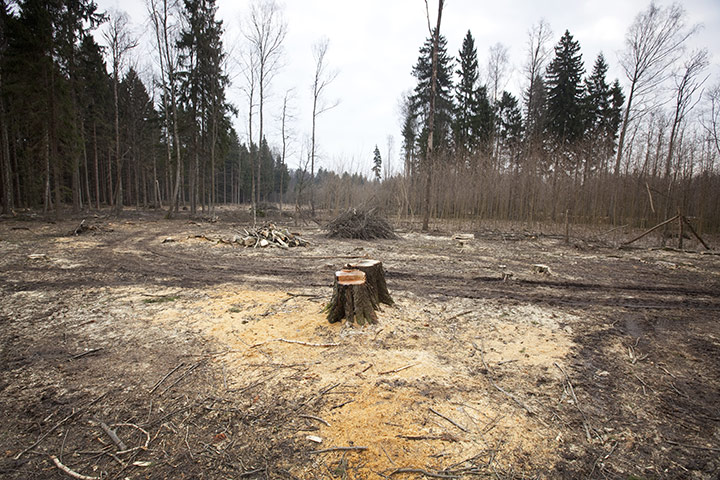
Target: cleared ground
x=212, y=360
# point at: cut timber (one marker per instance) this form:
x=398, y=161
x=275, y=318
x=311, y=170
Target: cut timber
x=375, y=279
x=351, y=299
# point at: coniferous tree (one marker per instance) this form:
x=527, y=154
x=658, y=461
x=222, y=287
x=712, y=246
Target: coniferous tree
x=564, y=92
x=509, y=125
x=377, y=163
x=602, y=106
x=422, y=71
x=203, y=84
x=95, y=95
x=466, y=101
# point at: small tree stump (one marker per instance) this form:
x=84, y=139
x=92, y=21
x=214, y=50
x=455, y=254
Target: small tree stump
x=375, y=278
x=352, y=298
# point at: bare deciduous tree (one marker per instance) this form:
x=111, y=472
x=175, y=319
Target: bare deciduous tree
x=323, y=77
x=120, y=41
x=165, y=37
x=654, y=42
x=498, y=69
x=265, y=30
x=711, y=119
x=538, y=53
x=285, y=137
x=687, y=84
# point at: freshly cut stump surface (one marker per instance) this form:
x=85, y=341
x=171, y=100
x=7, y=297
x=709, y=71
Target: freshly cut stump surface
x=352, y=298
x=375, y=279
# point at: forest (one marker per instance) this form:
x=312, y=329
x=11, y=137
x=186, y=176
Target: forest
x=80, y=129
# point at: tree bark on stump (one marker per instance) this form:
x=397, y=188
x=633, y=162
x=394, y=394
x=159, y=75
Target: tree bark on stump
x=375, y=278
x=352, y=298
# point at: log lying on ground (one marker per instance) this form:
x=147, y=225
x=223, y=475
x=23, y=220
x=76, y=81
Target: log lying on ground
x=360, y=224
x=375, y=279
x=351, y=299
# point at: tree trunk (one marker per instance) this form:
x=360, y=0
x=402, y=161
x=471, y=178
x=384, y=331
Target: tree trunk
x=375, y=279
x=352, y=299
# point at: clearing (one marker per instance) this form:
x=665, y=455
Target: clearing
x=211, y=360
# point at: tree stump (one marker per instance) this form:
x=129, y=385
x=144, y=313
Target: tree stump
x=352, y=298
x=375, y=278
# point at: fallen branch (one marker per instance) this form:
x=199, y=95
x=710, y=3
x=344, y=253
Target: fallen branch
x=448, y=419
x=397, y=369
x=697, y=447
x=111, y=433
x=72, y=473
x=338, y=449
x=444, y=437
x=155, y=387
x=501, y=390
x=142, y=447
x=297, y=342
x=576, y=402
x=458, y=315
x=57, y=425
x=89, y=352
x=185, y=373
x=312, y=417
x=422, y=472
x=651, y=230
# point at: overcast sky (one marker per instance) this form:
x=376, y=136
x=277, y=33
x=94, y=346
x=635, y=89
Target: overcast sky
x=374, y=45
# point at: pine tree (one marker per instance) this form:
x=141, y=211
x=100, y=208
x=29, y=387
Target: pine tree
x=377, y=163
x=423, y=91
x=565, y=90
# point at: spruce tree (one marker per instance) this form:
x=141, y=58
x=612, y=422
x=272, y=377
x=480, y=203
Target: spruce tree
x=466, y=101
x=423, y=91
x=377, y=163
x=564, y=91
x=203, y=84
x=509, y=120
x=602, y=107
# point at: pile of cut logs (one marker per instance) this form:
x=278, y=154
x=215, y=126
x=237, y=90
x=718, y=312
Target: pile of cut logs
x=269, y=235
x=266, y=236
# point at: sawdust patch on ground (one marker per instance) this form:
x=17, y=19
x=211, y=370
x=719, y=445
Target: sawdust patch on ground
x=387, y=386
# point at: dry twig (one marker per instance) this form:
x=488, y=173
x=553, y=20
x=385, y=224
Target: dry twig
x=313, y=417
x=70, y=472
x=423, y=472
x=396, y=370
x=339, y=449
x=57, y=425
x=576, y=402
x=448, y=419
x=155, y=387
x=297, y=342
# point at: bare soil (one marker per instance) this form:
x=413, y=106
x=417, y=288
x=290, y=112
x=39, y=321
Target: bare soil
x=210, y=360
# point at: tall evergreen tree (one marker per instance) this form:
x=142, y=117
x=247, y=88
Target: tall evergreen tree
x=602, y=105
x=377, y=163
x=565, y=90
x=422, y=71
x=509, y=122
x=203, y=85
x=474, y=118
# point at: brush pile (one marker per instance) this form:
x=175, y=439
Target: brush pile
x=360, y=224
